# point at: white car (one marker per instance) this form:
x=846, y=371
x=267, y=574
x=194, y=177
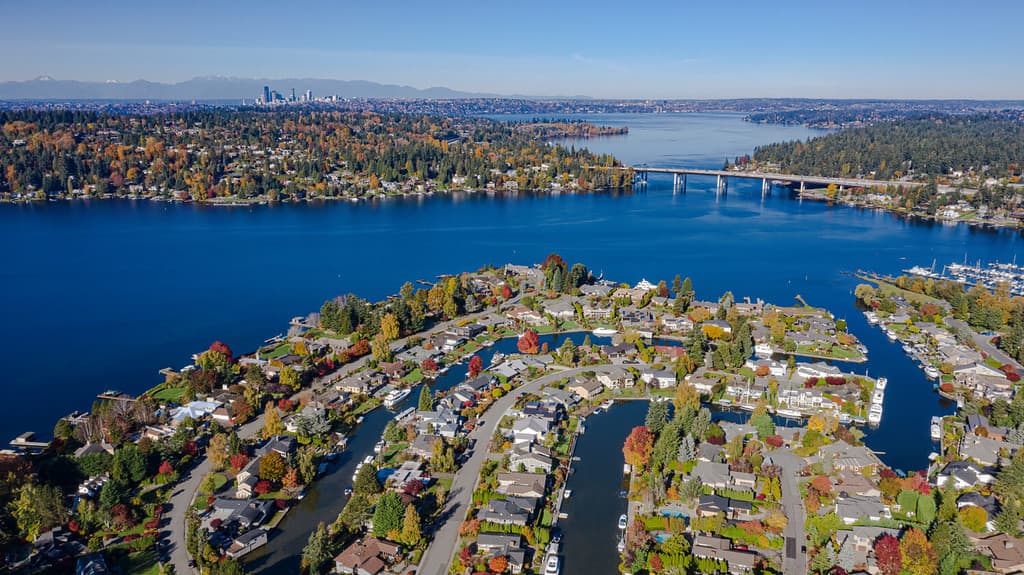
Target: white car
x=552, y=568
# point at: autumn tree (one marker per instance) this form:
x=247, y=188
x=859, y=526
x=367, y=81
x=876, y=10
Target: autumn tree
x=217, y=451
x=888, y=555
x=411, y=534
x=389, y=326
x=686, y=397
x=272, y=424
x=273, y=467
x=529, y=342
x=919, y=557
x=498, y=564
x=476, y=365
x=638, y=447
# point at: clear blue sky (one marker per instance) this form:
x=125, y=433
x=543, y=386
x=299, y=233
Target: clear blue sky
x=664, y=49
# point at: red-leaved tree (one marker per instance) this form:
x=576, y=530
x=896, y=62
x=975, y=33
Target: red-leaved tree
x=429, y=365
x=529, y=342
x=506, y=292
x=221, y=348
x=476, y=365
x=638, y=446
x=238, y=461
x=887, y=553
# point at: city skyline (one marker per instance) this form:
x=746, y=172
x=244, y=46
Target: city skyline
x=949, y=50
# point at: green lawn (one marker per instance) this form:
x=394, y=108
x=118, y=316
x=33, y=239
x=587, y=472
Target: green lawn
x=219, y=479
x=141, y=563
x=414, y=376
x=170, y=394
x=283, y=349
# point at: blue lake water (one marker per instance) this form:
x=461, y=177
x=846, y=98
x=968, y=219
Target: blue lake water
x=100, y=295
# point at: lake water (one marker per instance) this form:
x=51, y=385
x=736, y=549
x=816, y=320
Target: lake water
x=101, y=295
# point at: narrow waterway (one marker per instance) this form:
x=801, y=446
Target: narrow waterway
x=326, y=498
x=589, y=533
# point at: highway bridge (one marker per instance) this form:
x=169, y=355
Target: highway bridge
x=767, y=178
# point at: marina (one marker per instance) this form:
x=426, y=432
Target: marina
x=990, y=276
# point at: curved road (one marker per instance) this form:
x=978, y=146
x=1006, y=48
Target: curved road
x=443, y=546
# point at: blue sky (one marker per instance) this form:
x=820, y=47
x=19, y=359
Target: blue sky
x=664, y=49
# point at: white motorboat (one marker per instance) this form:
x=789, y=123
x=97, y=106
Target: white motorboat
x=936, y=428
x=763, y=350
x=567, y=494
x=872, y=317
x=604, y=331
x=791, y=413
x=878, y=397
x=875, y=413
x=552, y=567
x=880, y=383
x=932, y=372
x=623, y=521
x=396, y=397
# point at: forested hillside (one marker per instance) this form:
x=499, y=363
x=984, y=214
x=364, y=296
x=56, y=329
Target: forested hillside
x=928, y=146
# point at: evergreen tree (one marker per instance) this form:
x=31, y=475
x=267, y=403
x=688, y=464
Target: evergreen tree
x=388, y=515
x=366, y=481
x=657, y=416
x=426, y=401
x=317, y=551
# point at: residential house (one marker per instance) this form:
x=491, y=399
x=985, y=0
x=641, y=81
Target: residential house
x=963, y=475
x=585, y=387
x=283, y=445
x=530, y=429
x=531, y=460
x=247, y=478
x=677, y=324
x=246, y=543
x=616, y=378
x=714, y=547
x=1007, y=552
x=510, y=511
x=368, y=556
x=851, y=508
x=522, y=484
x=660, y=378
x=817, y=369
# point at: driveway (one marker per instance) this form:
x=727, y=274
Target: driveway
x=794, y=508
x=443, y=546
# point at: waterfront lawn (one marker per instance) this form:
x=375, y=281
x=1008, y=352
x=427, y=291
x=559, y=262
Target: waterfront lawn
x=887, y=289
x=366, y=406
x=170, y=394
x=279, y=351
x=835, y=352
x=414, y=376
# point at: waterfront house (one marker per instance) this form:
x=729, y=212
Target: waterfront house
x=619, y=351
x=510, y=511
x=498, y=543
x=284, y=445
x=616, y=378
x=817, y=369
x=468, y=331
x=367, y=556
x=509, y=369
x=527, y=316
x=585, y=387
x=843, y=456
x=530, y=460
x=565, y=398
x=194, y=410
x=963, y=475
x=247, y=513
x=246, y=543
x=522, y=484
x=90, y=447
x=530, y=429
x=985, y=450
x=599, y=289
x=660, y=378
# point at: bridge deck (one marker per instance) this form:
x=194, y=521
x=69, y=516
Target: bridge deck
x=794, y=178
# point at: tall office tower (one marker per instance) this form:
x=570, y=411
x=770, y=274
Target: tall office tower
x=266, y=94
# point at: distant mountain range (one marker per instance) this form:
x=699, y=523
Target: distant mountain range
x=214, y=88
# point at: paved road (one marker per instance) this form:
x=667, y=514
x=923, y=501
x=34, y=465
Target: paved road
x=185, y=491
x=982, y=342
x=794, y=508
x=443, y=546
